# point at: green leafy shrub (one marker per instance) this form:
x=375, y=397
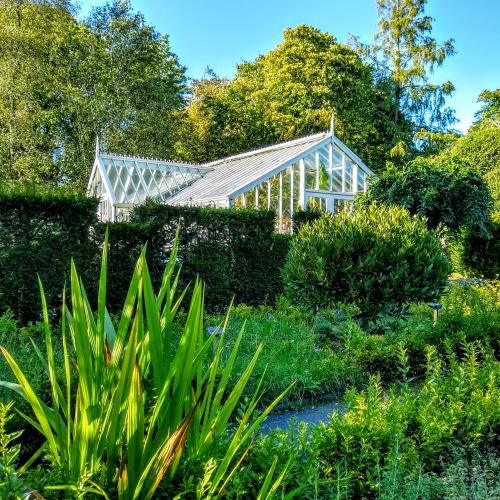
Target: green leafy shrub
x=480, y=149
x=471, y=310
x=300, y=217
x=11, y=486
x=446, y=192
x=380, y=258
x=392, y=443
x=380, y=354
x=469, y=313
x=481, y=253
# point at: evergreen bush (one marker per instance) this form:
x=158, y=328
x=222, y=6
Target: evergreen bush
x=39, y=234
x=300, y=217
x=446, y=192
x=234, y=251
x=481, y=252
x=379, y=258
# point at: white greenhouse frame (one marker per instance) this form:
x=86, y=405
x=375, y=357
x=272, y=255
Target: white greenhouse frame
x=318, y=171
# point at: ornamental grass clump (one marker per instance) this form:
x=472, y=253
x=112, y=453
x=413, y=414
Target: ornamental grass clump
x=379, y=258
x=132, y=401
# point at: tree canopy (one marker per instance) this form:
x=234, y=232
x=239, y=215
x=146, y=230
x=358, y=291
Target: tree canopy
x=409, y=55
x=489, y=113
x=63, y=82
x=480, y=148
x=288, y=92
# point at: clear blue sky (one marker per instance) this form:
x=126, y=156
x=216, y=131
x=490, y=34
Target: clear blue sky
x=222, y=33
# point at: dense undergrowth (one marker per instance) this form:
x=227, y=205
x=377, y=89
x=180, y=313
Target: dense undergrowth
x=398, y=443
x=423, y=399
x=328, y=352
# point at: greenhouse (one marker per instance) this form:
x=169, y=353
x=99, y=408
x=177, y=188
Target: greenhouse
x=316, y=171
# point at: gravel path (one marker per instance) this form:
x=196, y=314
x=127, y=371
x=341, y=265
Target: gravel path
x=312, y=414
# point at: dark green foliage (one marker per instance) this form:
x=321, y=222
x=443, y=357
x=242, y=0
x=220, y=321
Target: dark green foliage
x=468, y=314
x=445, y=192
x=481, y=253
x=380, y=258
x=39, y=234
x=480, y=149
x=125, y=242
x=235, y=252
x=300, y=217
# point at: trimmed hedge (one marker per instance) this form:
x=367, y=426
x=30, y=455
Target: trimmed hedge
x=235, y=252
x=38, y=236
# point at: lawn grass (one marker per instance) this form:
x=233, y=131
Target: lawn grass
x=292, y=353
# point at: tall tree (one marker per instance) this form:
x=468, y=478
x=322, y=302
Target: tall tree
x=143, y=80
x=288, y=92
x=408, y=54
x=64, y=82
x=126, y=88
x=31, y=33
x=489, y=113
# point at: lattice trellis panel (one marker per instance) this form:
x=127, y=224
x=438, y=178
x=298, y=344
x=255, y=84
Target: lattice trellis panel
x=134, y=181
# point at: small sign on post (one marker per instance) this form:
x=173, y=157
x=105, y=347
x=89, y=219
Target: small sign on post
x=436, y=306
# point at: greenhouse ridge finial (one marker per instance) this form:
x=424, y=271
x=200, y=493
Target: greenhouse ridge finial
x=332, y=124
x=97, y=147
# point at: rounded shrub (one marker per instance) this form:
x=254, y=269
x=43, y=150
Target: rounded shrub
x=446, y=192
x=481, y=253
x=378, y=258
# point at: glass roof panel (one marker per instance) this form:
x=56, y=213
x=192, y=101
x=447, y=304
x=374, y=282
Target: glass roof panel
x=148, y=178
x=348, y=175
x=324, y=159
x=337, y=180
x=310, y=171
x=361, y=180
